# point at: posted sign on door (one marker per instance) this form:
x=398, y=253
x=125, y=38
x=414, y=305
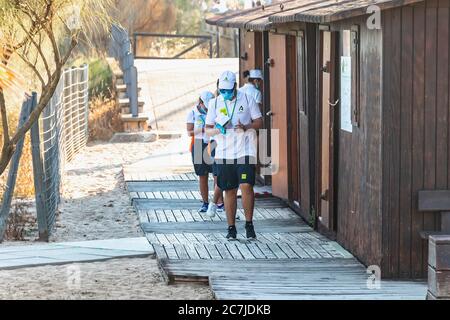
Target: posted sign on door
x=346, y=94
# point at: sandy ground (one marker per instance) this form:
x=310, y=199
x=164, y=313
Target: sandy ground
x=137, y=278
x=95, y=205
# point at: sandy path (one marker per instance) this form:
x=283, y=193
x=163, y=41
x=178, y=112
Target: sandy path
x=95, y=204
x=137, y=278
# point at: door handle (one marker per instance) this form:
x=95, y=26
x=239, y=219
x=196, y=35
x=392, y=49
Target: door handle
x=324, y=196
x=269, y=113
x=334, y=104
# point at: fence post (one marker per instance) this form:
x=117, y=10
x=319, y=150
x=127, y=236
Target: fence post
x=86, y=102
x=12, y=173
x=134, y=92
x=38, y=173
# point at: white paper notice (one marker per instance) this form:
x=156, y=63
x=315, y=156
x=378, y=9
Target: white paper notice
x=346, y=94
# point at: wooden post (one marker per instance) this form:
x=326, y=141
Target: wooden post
x=134, y=92
x=12, y=173
x=439, y=267
x=38, y=173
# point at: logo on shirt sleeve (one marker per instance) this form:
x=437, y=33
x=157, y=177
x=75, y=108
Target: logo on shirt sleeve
x=241, y=109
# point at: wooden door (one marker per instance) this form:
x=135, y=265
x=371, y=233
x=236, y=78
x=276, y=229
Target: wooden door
x=278, y=111
x=328, y=105
x=292, y=121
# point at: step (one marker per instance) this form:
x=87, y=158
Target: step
x=125, y=102
x=134, y=124
x=123, y=88
x=127, y=109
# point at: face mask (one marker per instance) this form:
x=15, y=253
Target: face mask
x=227, y=94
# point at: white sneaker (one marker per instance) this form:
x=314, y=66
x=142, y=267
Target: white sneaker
x=212, y=210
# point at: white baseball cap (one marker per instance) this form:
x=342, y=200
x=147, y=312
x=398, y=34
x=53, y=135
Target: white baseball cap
x=227, y=80
x=256, y=74
x=206, y=96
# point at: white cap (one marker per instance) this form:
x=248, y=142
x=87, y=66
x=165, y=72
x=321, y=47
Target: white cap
x=256, y=74
x=206, y=96
x=227, y=80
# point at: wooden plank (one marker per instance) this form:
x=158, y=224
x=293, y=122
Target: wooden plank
x=187, y=215
x=181, y=251
x=162, y=239
x=255, y=251
x=299, y=251
x=171, y=252
x=434, y=200
x=172, y=239
x=196, y=216
x=439, y=282
x=152, y=238
x=190, y=249
x=178, y=216
x=406, y=142
x=277, y=251
x=202, y=252
x=235, y=253
x=143, y=217
x=418, y=137
x=170, y=216
x=429, y=221
x=149, y=195
x=212, y=250
x=266, y=250
x=160, y=251
x=161, y=216
x=223, y=251
x=288, y=251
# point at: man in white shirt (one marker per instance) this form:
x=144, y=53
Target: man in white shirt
x=252, y=87
x=233, y=119
x=195, y=124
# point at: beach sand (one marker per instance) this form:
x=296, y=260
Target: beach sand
x=95, y=205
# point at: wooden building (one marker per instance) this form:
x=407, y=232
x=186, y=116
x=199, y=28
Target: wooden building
x=362, y=109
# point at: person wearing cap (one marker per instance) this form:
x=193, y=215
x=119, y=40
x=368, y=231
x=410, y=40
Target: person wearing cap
x=195, y=124
x=232, y=120
x=253, y=85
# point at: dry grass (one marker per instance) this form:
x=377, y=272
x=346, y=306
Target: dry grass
x=20, y=222
x=167, y=47
x=104, y=118
x=24, y=184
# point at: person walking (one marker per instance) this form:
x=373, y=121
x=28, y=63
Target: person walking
x=195, y=125
x=233, y=121
x=253, y=85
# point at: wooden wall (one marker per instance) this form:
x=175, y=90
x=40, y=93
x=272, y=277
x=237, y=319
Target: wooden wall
x=358, y=206
x=416, y=135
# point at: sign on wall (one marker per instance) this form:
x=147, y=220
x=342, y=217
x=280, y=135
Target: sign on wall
x=346, y=94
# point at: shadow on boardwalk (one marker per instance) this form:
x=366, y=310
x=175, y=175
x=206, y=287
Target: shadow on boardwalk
x=289, y=260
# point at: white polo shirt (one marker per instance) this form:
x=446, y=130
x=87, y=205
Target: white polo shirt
x=195, y=117
x=235, y=144
x=251, y=90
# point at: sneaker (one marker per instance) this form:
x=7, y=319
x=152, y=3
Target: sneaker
x=232, y=233
x=203, y=208
x=211, y=210
x=250, y=231
x=220, y=208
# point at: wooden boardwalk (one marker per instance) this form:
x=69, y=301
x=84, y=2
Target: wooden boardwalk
x=289, y=260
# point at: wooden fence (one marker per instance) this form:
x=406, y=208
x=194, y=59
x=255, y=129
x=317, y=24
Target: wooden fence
x=60, y=133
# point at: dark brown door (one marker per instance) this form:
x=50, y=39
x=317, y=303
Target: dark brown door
x=292, y=121
x=328, y=104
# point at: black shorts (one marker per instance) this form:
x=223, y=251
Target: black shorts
x=213, y=154
x=232, y=173
x=201, y=159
